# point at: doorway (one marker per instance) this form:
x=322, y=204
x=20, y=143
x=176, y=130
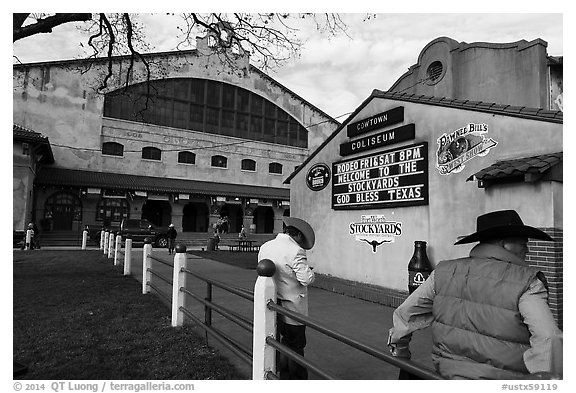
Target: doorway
x=195, y=217
x=64, y=208
x=264, y=219
x=235, y=216
x=158, y=213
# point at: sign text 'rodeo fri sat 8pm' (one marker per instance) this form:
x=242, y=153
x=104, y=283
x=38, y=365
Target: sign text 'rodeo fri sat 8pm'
x=387, y=179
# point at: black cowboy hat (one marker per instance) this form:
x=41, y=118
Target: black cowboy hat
x=501, y=224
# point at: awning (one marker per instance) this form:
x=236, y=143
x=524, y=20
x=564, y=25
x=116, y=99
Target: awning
x=527, y=169
x=49, y=176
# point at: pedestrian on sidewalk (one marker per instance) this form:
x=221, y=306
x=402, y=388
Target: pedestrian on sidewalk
x=242, y=234
x=489, y=312
x=171, y=238
x=292, y=277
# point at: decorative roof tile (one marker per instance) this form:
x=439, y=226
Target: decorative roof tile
x=519, y=167
x=24, y=133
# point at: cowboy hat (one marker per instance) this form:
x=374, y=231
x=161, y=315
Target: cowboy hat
x=501, y=224
x=304, y=228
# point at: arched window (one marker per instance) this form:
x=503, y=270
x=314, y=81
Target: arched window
x=219, y=161
x=186, y=157
x=113, y=149
x=207, y=106
x=249, y=165
x=112, y=209
x=151, y=153
x=275, y=168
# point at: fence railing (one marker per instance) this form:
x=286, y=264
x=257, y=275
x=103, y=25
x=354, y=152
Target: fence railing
x=265, y=346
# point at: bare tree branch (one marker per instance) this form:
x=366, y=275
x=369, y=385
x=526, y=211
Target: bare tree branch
x=43, y=25
x=269, y=39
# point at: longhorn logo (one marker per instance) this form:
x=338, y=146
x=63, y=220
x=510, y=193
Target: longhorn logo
x=375, y=243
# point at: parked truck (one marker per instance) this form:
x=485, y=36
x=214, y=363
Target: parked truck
x=138, y=229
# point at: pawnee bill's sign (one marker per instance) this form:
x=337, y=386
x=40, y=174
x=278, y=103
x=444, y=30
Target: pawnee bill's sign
x=388, y=179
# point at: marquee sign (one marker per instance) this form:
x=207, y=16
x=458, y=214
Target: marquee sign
x=389, y=179
x=393, y=116
x=388, y=137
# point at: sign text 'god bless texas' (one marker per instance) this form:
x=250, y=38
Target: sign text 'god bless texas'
x=388, y=179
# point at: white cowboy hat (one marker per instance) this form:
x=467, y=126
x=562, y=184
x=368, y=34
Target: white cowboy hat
x=304, y=228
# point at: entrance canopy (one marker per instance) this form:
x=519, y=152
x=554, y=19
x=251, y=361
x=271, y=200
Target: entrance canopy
x=80, y=178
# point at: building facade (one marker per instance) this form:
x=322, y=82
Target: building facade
x=407, y=167
x=202, y=140
x=30, y=151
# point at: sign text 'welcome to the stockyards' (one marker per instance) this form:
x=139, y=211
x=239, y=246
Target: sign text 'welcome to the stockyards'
x=391, y=178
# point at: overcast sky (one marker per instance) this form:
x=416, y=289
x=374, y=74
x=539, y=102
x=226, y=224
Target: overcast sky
x=337, y=74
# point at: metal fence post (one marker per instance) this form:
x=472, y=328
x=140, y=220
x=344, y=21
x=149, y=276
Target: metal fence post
x=146, y=262
x=84, y=238
x=106, y=238
x=128, y=255
x=118, y=248
x=110, y=244
x=264, y=356
x=177, y=283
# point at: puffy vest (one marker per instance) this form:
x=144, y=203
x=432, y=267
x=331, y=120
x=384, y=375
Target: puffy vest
x=478, y=331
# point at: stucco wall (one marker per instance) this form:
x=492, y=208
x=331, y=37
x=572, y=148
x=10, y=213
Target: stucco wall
x=454, y=203
x=134, y=136
x=59, y=101
x=22, y=178
x=508, y=73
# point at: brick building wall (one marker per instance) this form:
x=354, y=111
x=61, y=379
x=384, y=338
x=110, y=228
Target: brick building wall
x=548, y=258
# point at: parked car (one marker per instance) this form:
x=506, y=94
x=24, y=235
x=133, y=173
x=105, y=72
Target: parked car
x=141, y=229
x=94, y=232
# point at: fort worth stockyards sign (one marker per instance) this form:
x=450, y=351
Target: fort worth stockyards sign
x=375, y=230
x=388, y=179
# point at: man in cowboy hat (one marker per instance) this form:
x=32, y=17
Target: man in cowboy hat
x=171, y=238
x=489, y=312
x=292, y=277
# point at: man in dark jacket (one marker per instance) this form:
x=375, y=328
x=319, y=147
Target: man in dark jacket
x=489, y=312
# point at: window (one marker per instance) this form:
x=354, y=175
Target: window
x=151, y=153
x=435, y=73
x=112, y=209
x=207, y=106
x=275, y=168
x=186, y=157
x=219, y=161
x=112, y=149
x=249, y=165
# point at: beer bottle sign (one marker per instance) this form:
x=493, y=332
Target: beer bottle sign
x=419, y=268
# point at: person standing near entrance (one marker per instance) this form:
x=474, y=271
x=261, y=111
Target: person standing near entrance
x=489, y=312
x=34, y=239
x=292, y=277
x=171, y=238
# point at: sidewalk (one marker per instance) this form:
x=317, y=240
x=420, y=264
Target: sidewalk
x=360, y=320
